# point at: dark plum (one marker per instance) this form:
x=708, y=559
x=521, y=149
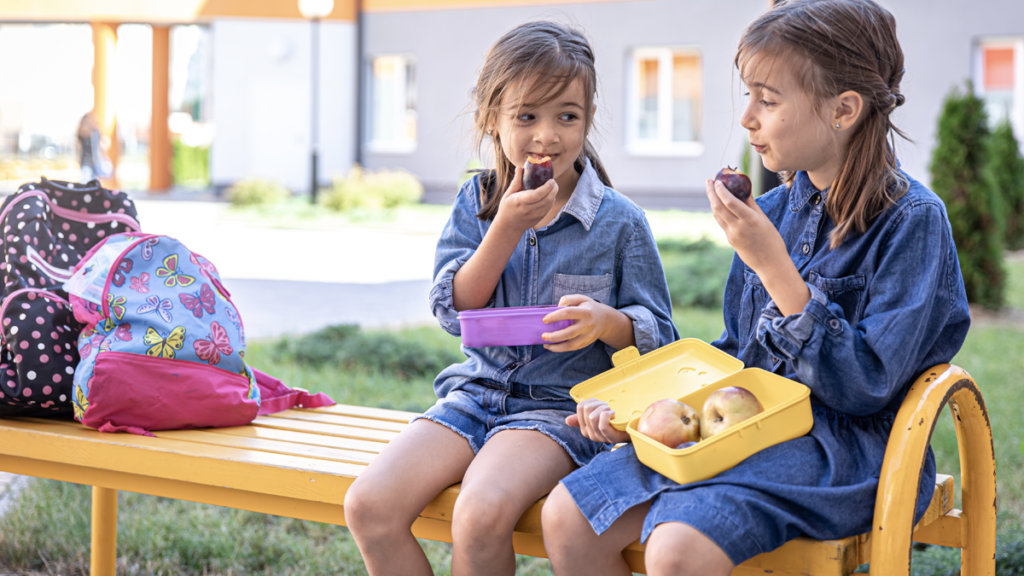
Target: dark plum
x=735, y=182
x=537, y=172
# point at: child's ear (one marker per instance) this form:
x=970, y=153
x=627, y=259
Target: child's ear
x=848, y=110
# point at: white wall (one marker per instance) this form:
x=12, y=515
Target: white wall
x=261, y=101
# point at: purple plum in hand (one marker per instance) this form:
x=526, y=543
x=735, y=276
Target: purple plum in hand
x=537, y=172
x=735, y=181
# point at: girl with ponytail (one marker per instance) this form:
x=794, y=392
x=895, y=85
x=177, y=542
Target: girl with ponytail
x=499, y=425
x=845, y=279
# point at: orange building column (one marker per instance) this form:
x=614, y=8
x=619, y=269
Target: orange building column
x=159, y=135
x=104, y=44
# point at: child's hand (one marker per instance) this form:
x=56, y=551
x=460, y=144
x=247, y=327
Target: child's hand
x=748, y=230
x=593, y=418
x=588, y=316
x=523, y=209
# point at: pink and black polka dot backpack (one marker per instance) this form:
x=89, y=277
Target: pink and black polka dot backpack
x=48, y=227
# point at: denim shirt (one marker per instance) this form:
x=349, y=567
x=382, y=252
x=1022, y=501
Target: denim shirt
x=599, y=245
x=885, y=305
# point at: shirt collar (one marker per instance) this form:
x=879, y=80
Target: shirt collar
x=586, y=198
x=802, y=191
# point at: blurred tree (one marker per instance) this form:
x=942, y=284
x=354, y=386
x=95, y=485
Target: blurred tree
x=974, y=205
x=1006, y=171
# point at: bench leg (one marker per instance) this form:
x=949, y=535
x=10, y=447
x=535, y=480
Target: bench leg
x=103, y=559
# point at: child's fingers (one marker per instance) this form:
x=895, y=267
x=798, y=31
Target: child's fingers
x=562, y=336
x=572, y=300
x=572, y=420
x=517, y=182
x=610, y=434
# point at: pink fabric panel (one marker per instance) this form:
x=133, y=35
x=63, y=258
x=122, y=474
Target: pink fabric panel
x=276, y=397
x=134, y=393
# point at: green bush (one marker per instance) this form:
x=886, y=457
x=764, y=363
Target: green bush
x=1006, y=170
x=695, y=271
x=257, y=191
x=974, y=205
x=347, y=346
x=190, y=165
x=383, y=189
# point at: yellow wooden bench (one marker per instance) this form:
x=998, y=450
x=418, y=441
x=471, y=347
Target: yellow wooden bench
x=300, y=463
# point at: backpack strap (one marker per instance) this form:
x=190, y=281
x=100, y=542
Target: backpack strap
x=44, y=293
x=276, y=397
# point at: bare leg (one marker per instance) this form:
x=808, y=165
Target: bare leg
x=573, y=546
x=514, y=469
x=677, y=549
x=385, y=500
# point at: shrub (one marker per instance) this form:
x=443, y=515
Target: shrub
x=257, y=191
x=383, y=189
x=1006, y=170
x=974, y=206
x=695, y=271
x=190, y=165
x=346, y=346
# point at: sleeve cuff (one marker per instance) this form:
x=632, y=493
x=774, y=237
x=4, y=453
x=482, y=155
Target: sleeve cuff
x=441, y=301
x=784, y=336
x=645, y=327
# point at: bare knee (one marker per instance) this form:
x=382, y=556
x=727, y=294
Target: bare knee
x=483, y=517
x=681, y=550
x=370, y=512
x=563, y=522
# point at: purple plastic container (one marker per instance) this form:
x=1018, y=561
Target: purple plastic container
x=516, y=326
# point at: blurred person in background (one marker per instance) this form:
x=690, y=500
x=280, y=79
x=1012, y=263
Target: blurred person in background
x=93, y=160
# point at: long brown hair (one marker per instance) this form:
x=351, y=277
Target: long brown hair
x=550, y=56
x=849, y=45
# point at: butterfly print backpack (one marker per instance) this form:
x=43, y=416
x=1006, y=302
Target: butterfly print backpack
x=164, y=346
x=48, y=226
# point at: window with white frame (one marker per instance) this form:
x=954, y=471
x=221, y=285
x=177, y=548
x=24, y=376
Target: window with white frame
x=665, y=102
x=392, y=104
x=999, y=80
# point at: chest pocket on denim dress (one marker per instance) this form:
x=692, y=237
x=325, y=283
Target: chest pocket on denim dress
x=597, y=287
x=752, y=303
x=847, y=291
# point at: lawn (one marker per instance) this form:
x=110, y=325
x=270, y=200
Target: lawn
x=46, y=528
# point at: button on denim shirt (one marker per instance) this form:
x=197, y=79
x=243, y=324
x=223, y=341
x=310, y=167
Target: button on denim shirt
x=885, y=305
x=599, y=245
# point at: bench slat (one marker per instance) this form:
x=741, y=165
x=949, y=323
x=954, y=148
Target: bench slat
x=369, y=446
x=369, y=423
x=399, y=416
x=261, y=472
x=273, y=446
x=325, y=429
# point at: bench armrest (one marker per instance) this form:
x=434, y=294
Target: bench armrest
x=901, y=472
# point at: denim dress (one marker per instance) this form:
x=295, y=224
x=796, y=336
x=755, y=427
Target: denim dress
x=885, y=306
x=599, y=245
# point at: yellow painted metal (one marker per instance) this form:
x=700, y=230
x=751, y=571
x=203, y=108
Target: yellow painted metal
x=103, y=559
x=947, y=530
x=911, y=433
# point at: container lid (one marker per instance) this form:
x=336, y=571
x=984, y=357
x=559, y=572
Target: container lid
x=510, y=311
x=672, y=371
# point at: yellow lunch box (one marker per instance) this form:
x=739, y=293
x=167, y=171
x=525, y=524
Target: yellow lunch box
x=689, y=370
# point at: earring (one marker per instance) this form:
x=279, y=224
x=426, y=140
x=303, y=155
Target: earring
x=489, y=131
x=838, y=125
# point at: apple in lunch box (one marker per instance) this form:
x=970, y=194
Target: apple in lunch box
x=735, y=181
x=670, y=422
x=537, y=172
x=725, y=407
